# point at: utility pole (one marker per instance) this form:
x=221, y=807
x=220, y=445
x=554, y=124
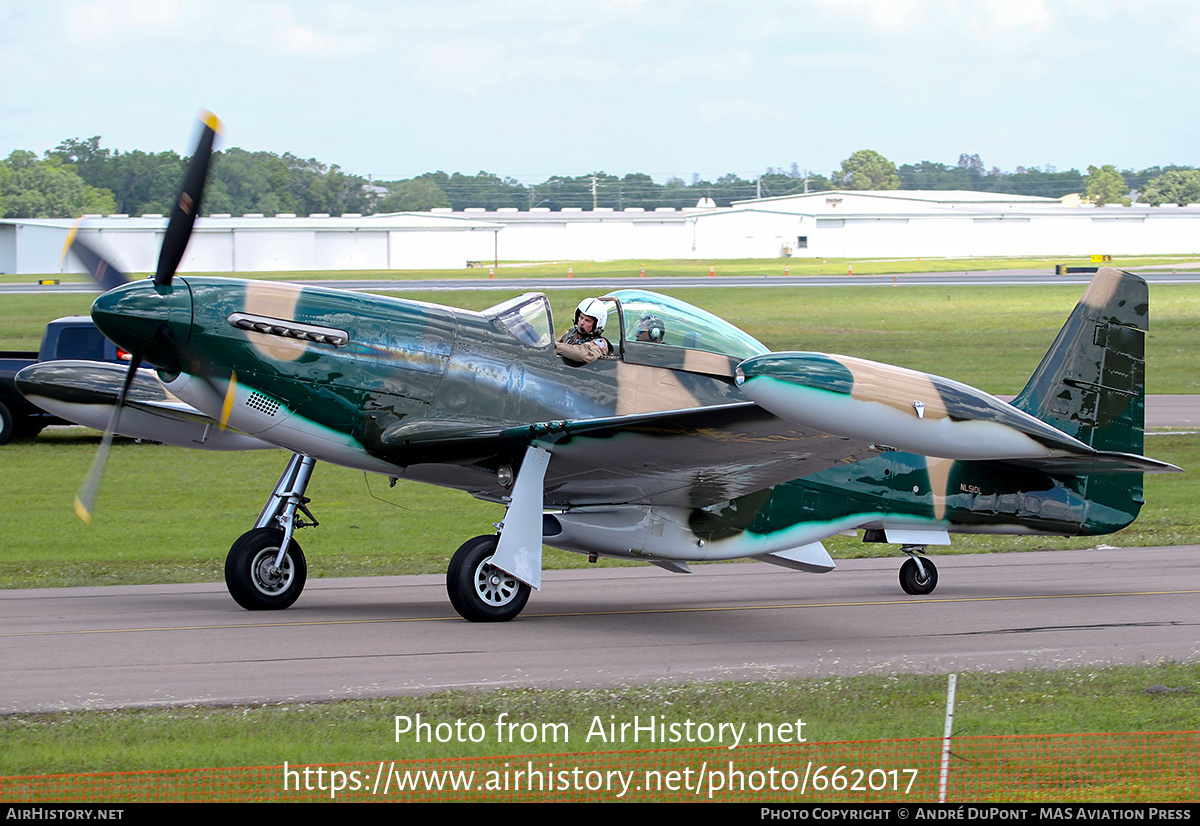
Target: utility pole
x=593, y=192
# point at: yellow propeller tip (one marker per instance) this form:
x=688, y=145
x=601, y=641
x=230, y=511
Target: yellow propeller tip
x=211, y=121
x=82, y=512
x=230, y=398
x=70, y=239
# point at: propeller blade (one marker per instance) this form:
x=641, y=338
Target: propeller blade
x=230, y=397
x=86, y=499
x=103, y=273
x=187, y=207
x=194, y=367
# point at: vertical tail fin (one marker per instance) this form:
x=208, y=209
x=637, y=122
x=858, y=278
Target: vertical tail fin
x=1091, y=382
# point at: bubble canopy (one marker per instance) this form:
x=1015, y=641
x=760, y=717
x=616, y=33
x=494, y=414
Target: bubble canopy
x=685, y=325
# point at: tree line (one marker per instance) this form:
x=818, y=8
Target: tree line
x=82, y=177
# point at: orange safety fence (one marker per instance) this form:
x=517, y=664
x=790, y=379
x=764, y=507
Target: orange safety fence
x=1078, y=768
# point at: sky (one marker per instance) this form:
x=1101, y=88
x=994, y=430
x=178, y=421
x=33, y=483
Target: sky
x=672, y=88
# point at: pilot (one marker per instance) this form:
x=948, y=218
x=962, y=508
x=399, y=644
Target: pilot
x=650, y=328
x=585, y=341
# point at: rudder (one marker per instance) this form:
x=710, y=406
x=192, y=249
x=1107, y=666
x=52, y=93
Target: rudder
x=1091, y=382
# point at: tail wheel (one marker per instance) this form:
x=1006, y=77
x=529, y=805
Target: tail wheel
x=913, y=581
x=254, y=581
x=480, y=591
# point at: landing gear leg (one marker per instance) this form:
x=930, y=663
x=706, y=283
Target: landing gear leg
x=265, y=568
x=917, y=576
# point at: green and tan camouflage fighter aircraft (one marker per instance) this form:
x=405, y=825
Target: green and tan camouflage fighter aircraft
x=688, y=442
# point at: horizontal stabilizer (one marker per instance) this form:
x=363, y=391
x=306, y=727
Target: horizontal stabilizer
x=1097, y=463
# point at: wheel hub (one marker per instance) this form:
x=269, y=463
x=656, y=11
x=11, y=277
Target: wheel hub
x=494, y=586
x=269, y=578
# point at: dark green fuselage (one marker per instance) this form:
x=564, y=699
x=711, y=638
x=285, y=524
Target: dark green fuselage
x=448, y=396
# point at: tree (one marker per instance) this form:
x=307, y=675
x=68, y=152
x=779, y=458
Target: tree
x=931, y=175
x=92, y=163
x=483, y=190
x=973, y=162
x=242, y=182
x=30, y=188
x=867, y=169
x=1033, y=181
x=1106, y=186
x=413, y=195
x=1179, y=186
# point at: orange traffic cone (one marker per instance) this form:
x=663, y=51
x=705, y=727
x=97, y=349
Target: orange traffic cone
x=712, y=271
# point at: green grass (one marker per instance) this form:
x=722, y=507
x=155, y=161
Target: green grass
x=991, y=337
x=168, y=514
x=631, y=268
x=988, y=337
x=832, y=708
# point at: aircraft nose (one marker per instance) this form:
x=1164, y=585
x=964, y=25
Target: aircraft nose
x=151, y=320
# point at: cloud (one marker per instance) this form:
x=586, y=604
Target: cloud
x=712, y=111
x=115, y=22
x=885, y=15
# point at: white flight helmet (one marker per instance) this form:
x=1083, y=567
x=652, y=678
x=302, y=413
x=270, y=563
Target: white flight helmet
x=597, y=310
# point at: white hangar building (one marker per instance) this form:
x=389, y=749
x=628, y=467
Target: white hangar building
x=838, y=224
x=903, y=224
x=254, y=243
x=853, y=224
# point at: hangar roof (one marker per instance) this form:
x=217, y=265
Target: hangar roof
x=901, y=200
x=399, y=221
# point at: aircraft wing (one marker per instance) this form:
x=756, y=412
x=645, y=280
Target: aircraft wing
x=689, y=458
x=85, y=392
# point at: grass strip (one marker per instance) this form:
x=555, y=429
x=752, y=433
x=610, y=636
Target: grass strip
x=1159, y=697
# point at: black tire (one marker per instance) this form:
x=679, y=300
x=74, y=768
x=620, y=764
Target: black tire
x=8, y=428
x=249, y=576
x=911, y=580
x=480, y=592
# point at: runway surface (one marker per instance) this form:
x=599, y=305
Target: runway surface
x=152, y=645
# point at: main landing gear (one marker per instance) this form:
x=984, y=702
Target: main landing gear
x=265, y=569
x=478, y=590
x=917, y=576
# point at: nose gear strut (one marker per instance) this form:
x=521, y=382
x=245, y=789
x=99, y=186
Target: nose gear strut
x=265, y=568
